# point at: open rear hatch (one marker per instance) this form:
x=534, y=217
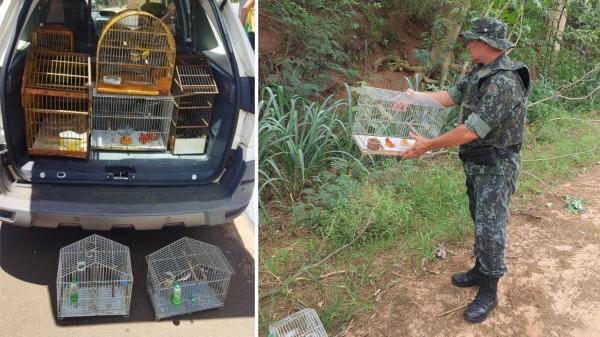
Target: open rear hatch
x=176, y=134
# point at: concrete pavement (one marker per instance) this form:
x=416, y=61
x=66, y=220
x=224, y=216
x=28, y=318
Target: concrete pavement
x=29, y=264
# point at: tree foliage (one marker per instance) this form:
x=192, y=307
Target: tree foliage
x=326, y=39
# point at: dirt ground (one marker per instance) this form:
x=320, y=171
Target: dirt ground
x=551, y=288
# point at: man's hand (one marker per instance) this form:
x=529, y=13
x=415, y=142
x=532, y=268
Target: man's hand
x=419, y=147
x=403, y=106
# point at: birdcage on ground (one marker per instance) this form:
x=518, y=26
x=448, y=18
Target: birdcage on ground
x=194, y=89
x=304, y=323
x=130, y=123
x=187, y=276
x=136, y=55
x=56, y=100
x=94, y=278
x=384, y=119
x=54, y=37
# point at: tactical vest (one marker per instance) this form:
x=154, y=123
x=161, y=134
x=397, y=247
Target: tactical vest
x=510, y=130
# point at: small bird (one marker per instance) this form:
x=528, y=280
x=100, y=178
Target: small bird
x=389, y=143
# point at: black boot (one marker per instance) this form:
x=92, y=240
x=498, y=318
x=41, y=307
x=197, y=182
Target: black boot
x=470, y=278
x=485, y=301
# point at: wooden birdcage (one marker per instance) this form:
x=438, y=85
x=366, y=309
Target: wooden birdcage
x=194, y=89
x=54, y=37
x=136, y=55
x=56, y=98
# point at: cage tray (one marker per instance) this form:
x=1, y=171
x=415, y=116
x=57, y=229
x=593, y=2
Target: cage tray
x=195, y=297
x=96, y=302
x=384, y=149
x=112, y=140
x=51, y=147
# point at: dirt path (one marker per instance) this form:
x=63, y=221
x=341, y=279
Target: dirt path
x=552, y=287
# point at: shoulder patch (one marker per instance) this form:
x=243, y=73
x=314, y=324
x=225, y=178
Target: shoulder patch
x=492, y=89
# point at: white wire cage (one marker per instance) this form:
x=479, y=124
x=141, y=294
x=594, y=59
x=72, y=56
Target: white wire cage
x=304, y=323
x=187, y=276
x=130, y=123
x=382, y=124
x=94, y=278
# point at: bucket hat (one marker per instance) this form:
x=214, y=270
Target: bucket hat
x=491, y=31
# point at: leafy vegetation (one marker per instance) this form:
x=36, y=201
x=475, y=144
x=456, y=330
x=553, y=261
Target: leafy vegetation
x=320, y=195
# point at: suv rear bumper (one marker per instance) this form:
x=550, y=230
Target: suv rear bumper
x=141, y=208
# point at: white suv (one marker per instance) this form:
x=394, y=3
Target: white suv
x=141, y=190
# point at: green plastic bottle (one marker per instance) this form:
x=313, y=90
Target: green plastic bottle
x=176, y=295
x=73, y=292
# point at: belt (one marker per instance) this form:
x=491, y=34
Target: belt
x=501, y=152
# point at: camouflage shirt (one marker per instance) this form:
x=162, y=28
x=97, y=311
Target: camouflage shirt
x=493, y=98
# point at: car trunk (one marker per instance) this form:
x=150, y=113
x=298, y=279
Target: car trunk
x=106, y=166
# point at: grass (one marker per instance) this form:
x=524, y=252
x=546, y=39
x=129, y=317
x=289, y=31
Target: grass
x=304, y=138
x=416, y=205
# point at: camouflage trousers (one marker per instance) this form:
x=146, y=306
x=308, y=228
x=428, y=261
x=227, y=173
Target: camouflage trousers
x=489, y=190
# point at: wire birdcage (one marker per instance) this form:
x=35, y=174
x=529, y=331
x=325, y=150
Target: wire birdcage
x=56, y=98
x=94, y=278
x=194, y=89
x=136, y=55
x=304, y=323
x=187, y=276
x=54, y=37
x=131, y=123
x=382, y=125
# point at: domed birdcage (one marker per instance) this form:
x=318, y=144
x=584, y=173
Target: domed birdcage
x=136, y=55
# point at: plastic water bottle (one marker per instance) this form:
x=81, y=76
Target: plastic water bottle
x=73, y=292
x=176, y=295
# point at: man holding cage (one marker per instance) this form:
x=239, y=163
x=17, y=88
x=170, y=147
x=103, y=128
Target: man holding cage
x=493, y=104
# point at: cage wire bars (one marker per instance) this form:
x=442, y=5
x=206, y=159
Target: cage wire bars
x=54, y=37
x=94, y=278
x=380, y=128
x=136, y=55
x=56, y=100
x=187, y=276
x=193, y=89
x=131, y=123
x=304, y=323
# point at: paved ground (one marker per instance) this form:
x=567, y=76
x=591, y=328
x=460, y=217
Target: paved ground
x=29, y=264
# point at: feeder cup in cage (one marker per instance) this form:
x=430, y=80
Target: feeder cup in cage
x=130, y=123
x=304, y=323
x=384, y=119
x=187, y=276
x=94, y=278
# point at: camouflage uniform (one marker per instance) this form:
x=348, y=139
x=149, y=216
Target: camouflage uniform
x=493, y=105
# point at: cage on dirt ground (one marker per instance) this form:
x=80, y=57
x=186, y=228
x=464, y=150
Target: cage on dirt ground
x=304, y=323
x=187, y=276
x=385, y=117
x=94, y=278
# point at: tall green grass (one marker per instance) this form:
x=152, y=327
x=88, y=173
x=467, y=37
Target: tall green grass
x=298, y=140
